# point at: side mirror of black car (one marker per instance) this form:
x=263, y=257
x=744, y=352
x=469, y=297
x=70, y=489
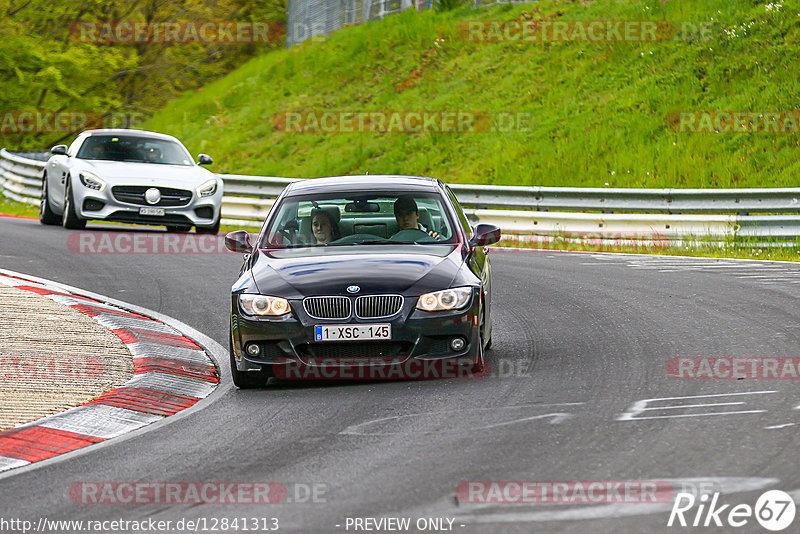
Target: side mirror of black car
x=485, y=234
x=239, y=241
x=59, y=150
x=204, y=159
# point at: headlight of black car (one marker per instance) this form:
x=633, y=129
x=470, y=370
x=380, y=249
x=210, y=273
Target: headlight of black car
x=261, y=305
x=445, y=300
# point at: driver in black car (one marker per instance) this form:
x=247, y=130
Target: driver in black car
x=406, y=213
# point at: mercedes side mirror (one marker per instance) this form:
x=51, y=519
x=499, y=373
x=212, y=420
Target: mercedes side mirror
x=204, y=159
x=59, y=150
x=239, y=241
x=485, y=234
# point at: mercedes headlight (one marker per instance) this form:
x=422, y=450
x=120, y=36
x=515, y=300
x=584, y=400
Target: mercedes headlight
x=447, y=299
x=92, y=181
x=263, y=305
x=208, y=188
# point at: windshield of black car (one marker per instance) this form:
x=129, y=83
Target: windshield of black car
x=134, y=149
x=350, y=219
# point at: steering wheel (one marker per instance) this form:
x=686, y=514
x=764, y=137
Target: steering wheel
x=289, y=230
x=412, y=234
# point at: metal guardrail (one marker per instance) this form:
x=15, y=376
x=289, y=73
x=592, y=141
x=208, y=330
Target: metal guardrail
x=619, y=213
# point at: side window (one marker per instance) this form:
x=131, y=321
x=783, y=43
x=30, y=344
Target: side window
x=461, y=217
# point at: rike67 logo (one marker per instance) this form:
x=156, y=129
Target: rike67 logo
x=774, y=510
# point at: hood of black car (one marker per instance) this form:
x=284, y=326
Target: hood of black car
x=404, y=269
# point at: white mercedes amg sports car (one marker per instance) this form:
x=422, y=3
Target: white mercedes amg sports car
x=130, y=176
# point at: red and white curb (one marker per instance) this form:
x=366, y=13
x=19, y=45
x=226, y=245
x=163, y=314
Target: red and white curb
x=171, y=373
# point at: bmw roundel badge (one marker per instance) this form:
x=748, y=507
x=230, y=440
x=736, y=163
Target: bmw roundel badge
x=353, y=289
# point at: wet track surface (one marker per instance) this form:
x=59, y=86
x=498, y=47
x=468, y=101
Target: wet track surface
x=580, y=342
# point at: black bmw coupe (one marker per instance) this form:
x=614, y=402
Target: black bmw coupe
x=362, y=277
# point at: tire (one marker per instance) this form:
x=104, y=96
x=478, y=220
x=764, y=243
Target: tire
x=46, y=214
x=488, y=344
x=178, y=228
x=70, y=219
x=213, y=229
x=481, y=360
x=248, y=379
x=478, y=366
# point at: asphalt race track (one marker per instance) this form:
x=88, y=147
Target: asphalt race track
x=579, y=339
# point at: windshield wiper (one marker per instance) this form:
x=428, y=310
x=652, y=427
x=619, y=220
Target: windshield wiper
x=425, y=242
x=274, y=246
x=368, y=242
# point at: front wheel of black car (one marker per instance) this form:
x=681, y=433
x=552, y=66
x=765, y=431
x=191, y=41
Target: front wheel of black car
x=249, y=379
x=480, y=361
x=483, y=345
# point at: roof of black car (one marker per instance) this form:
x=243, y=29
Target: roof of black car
x=361, y=182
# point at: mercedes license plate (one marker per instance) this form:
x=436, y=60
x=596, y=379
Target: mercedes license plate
x=151, y=211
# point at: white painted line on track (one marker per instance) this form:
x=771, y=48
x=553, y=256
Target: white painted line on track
x=680, y=406
x=644, y=405
x=771, y=276
x=692, y=415
x=363, y=429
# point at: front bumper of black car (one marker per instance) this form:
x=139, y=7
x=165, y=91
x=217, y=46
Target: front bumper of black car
x=421, y=345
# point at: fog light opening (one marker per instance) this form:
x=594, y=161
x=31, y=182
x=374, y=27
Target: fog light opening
x=91, y=204
x=457, y=344
x=253, y=349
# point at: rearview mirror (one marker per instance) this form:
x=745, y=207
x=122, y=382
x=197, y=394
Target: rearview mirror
x=238, y=241
x=485, y=234
x=204, y=159
x=362, y=206
x=59, y=150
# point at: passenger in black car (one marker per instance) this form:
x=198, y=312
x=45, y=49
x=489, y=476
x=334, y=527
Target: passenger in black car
x=323, y=226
